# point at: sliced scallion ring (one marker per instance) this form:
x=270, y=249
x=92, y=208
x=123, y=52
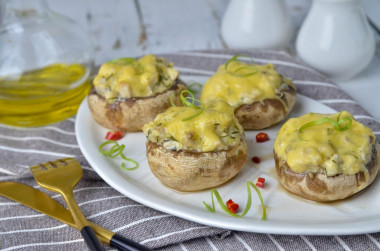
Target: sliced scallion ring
x=122, y=61
x=236, y=72
x=115, y=151
x=342, y=124
x=129, y=61
x=247, y=206
x=191, y=103
x=129, y=160
x=113, y=148
x=171, y=101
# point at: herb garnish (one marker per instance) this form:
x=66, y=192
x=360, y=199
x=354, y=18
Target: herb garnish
x=115, y=151
x=247, y=207
x=129, y=61
x=253, y=69
x=338, y=124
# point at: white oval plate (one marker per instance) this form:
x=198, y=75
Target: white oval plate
x=286, y=214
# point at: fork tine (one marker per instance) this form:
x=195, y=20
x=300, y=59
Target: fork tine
x=48, y=165
x=36, y=169
x=65, y=162
x=60, y=163
x=70, y=161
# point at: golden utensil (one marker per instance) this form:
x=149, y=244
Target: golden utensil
x=41, y=202
x=61, y=176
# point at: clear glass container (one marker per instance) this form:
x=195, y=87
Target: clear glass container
x=45, y=64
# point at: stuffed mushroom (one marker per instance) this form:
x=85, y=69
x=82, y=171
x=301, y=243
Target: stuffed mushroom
x=129, y=93
x=326, y=157
x=260, y=96
x=191, y=151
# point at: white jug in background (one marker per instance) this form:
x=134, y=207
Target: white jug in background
x=262, y=24
x=336, y=38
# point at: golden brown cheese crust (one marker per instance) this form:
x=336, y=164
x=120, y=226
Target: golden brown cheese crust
x=319, y=187
x=269, y=112
x=193, y=171
x=131, y=114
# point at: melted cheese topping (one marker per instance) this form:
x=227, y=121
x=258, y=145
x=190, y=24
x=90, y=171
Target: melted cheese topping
x=321, y=148
x=215, y=129
x=238, y=90
x=144, y=77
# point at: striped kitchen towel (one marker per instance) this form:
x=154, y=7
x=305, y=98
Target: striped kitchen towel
x=24, y=229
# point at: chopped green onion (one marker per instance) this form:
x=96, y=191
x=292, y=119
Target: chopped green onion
x=129, y=160
x=122, y=61
x=247, y=206
x=346, y=120
x=187, y=103
x=108, y=152
x=221, y=203
x=236, y=72
x=171, y=101
x=115, y=151
x=126, y=61
x=338, y=124
x=184, y=99
x=195, y=114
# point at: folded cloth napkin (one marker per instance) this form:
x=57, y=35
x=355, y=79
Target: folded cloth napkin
x=24, y=229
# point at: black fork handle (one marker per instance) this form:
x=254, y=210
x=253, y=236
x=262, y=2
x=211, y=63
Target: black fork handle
x=90, y=238
x=124, y=244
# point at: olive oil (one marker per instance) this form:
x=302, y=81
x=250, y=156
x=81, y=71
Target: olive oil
x=43, y=96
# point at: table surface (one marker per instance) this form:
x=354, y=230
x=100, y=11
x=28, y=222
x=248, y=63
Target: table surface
x=133, y=28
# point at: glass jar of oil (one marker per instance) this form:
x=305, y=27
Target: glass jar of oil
x=45, y=64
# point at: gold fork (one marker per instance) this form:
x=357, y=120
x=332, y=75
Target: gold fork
x=61, y=176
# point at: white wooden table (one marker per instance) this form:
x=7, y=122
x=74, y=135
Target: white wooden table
x=131, y=28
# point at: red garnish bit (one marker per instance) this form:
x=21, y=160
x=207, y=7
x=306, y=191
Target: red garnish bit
x=262, y=137
x=114, y=135
x=229, y=202
x=232, y=206
x=260, y=182
x=256, y=160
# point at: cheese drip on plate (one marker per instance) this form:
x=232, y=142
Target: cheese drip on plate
x=215, y=129
x=245, y=88
x=321, y=148
x=128, y=78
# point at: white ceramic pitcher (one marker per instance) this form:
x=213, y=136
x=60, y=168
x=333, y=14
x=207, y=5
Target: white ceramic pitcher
x=262, y=24
x=336, y=38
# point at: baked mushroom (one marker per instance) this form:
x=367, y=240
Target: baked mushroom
x=326, y=157
x=260, y=96
x=190, y=151
x=129, y=93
